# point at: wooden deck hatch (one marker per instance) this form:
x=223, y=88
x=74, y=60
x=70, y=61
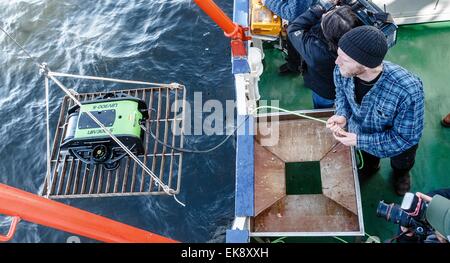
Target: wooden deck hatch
x=335, y=211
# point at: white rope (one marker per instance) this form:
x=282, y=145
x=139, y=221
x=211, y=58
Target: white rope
x=48, y=137
x=165, y=188
x=291, y=112
x=57, y=74
x=21, y=47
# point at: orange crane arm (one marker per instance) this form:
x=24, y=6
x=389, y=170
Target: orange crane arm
x=217, y=15
x=231, y=29
x=33, y=208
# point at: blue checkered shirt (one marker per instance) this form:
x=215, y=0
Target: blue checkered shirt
x=390, y=118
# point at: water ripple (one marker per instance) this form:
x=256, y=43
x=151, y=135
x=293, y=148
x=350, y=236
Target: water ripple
x=159, y=41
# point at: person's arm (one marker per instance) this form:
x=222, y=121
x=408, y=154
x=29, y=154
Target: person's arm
x=315, y=53
x=306, y=20
x=287, y=9
x=405, y=133
x=341, y=102
x=338, y=121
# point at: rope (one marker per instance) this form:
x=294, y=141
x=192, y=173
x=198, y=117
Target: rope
x=165, y=188
x=371, y=237
x=340, y=239
x=190, y=150
x=57, y=74
x=22, y=48
x=229, y=136
x=48, y=137
x=41, y=66
x=187, y=150
x=279, y=240
x=291, y=112
x=361, y=160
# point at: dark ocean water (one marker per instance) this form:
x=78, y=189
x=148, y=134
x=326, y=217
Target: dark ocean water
x=160, y=41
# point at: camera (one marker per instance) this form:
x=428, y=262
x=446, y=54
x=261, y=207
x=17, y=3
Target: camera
x=410, y=214
x=370, y=14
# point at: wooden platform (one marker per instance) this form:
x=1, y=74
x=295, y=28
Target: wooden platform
x=334, y=210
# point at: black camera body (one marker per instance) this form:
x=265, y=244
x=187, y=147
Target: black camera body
x=370, y=14
x=411, y=214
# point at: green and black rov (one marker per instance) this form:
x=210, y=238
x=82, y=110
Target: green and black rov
x=121, y=114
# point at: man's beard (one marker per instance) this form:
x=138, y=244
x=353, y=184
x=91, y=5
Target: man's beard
x=354, y=73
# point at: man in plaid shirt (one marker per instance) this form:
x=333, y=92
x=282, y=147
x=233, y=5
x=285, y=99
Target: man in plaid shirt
x=382, y=103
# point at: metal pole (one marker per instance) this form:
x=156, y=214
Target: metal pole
x=216, y=14
x=231, y=29
x=39, y=210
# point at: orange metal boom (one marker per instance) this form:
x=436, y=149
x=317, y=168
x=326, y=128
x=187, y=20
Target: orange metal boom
x=39, y=210
x=216, y=14
x=231, y=29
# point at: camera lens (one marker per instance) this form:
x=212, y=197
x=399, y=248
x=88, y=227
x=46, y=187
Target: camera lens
x=393, y=213
x=383, y=210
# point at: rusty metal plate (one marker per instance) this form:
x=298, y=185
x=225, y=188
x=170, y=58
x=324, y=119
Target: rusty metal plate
x=306, y=213
x=270, y=180
x=336, y=210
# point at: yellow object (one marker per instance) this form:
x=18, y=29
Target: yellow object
x=263, y=21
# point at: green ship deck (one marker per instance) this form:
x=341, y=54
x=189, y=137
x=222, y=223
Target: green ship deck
x=424, y=50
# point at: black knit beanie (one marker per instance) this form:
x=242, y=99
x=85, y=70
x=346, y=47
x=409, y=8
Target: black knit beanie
x=365, y=44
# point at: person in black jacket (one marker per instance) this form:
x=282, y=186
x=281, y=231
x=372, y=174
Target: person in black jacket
x=315, y=35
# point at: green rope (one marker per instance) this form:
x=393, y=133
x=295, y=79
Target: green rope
x=340, y=239
x=371, y=237
x=278, y=240
x=361, y=160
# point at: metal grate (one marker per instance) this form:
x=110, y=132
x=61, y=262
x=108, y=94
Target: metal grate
x=71, y=178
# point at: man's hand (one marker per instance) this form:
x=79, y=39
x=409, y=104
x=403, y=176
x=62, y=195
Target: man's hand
x=346, y=138
x=336, y=123
x=424, y=197
x=407, y=231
